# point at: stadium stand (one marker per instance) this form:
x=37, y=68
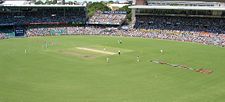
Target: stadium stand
x=41, y=16
x=193, y=21
x=108, y=18
x=213, y=25
x=180, y=15
x=6, y=32
x=2, y=36
x=18, y=18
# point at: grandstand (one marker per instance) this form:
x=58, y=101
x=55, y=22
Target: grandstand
x=19, y=16
x=198, y=16
x=108, y=18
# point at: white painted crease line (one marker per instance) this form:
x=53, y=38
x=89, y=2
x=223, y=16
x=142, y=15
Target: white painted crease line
x=98, y=51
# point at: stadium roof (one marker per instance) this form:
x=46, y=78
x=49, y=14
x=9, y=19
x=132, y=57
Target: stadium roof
x=16, y=2
x=25, y=3
x=177, y=1
x=178, y=7
x=193, y=0
x=42, y=6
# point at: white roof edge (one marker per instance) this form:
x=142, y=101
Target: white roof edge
x=177, y=7
x=177, y=1
x=42, y=6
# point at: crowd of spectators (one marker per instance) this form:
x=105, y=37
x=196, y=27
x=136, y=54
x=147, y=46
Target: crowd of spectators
x=6, y=20
x=2, y=36
x=107, y=18
x=213, y=25
x=6, y=32
x=46, y=31
x=43, y=16
x=208, y=31
x=184, y=36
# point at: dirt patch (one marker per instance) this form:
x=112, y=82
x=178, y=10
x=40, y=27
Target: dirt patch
x=202, y=70
x=97, y=51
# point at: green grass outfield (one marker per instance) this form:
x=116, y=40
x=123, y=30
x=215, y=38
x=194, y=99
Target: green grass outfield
x=59, y=72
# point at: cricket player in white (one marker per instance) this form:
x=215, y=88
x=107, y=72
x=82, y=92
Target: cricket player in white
x=107, y=60
x=161, y=51
x=138, y=59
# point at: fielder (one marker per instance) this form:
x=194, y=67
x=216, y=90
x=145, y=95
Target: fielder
x=120, y=42
x=138, y=58
x=107, y=60
x=119, y=52
x=25, y=51
x=161, y=51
